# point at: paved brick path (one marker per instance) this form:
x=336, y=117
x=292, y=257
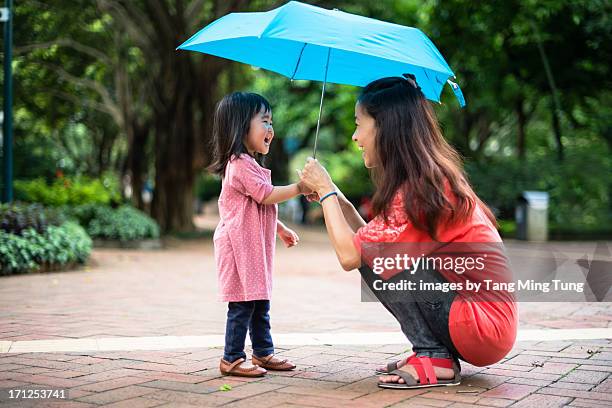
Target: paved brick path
x=172, y=292
x=545, y=374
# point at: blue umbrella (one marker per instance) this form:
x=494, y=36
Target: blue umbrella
x=301, y=41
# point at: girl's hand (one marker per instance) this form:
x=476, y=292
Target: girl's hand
x=289, y=237
x=312, y=197
x=316, y=177
x=304, y=189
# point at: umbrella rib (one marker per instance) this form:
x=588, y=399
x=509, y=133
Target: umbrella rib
x=298, y=61
x=314, y=152
x=428, y=82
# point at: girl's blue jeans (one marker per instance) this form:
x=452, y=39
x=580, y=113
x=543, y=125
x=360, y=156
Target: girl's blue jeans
x=252, y=316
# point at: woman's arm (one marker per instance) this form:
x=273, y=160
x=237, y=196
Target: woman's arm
x=340, y=231
x=352, y=216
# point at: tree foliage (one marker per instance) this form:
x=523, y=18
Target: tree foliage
x=100, y=87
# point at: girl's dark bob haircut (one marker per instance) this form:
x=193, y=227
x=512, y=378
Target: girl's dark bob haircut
x=231, y=124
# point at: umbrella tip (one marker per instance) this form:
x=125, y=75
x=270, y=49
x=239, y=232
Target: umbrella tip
x=457, y=92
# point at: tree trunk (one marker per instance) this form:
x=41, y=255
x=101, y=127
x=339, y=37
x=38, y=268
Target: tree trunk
x=182, y=98
x=175, y=151
x=555, y=103
x=277, y=162
x=136, y=162
x=107, y=141
x=557, y=130
x=182, y=134
x=172, y=204
x=521, y=124
x=483, y=133
x=464, y=122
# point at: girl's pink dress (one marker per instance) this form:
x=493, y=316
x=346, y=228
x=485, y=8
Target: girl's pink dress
x=245, y=237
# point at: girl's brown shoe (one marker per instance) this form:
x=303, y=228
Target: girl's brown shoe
x=272, y=363
x=238, y=369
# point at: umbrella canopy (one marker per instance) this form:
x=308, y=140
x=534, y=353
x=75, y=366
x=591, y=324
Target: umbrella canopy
x=301, y=41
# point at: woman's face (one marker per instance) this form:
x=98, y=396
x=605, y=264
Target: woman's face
x=260, y=133
x=365, y=136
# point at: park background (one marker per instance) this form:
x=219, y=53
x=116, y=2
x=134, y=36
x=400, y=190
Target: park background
x=111, y=139
x=109, y=117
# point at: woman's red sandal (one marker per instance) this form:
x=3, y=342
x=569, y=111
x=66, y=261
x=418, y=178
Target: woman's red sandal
x=424, y=367
x=394, y=365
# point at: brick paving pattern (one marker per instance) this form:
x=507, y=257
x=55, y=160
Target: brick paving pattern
x=172, y=292
x=536, y=374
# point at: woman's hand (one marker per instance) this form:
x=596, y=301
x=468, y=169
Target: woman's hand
x=315, y=177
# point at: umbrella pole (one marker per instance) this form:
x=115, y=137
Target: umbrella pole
x=314, y=153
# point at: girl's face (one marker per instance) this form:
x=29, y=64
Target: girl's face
x=365, y=136
x=260, y=133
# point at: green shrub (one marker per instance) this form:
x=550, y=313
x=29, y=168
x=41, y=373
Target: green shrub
x=125, y=223
x=578, y=187
x=86, y=213
x=207, y=186
x=68, y=191
x=56, y=247
x=507, y=228
x=16, y=254
x=17, y=217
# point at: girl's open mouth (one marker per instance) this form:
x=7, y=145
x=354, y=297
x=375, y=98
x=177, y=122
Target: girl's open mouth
x=267, y=141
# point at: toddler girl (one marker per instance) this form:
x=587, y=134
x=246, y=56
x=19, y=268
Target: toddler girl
x=244, y=240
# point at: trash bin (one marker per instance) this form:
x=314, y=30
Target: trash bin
x=532, y=216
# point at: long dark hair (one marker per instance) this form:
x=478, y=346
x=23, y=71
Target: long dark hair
x=231, y=124
x=415, y=157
